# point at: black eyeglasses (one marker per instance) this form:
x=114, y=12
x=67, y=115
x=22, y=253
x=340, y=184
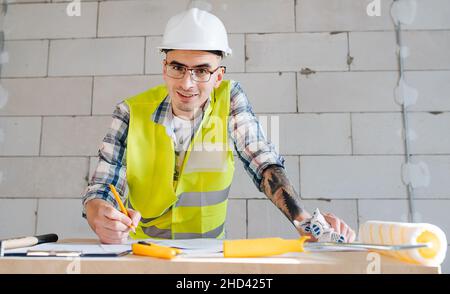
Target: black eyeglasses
x=200, y=74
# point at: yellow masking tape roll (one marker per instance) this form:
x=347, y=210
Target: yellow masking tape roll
x=396, y=233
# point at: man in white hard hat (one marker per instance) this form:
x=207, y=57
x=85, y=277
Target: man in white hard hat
x=170, y=146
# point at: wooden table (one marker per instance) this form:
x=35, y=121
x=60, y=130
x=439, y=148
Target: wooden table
x=324, y=262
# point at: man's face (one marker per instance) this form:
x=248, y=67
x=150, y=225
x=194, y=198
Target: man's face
x=186, y=94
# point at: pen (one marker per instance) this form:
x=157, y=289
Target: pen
x=122, y=207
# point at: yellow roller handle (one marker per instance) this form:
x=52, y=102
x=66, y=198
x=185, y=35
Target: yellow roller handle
x=262, y=247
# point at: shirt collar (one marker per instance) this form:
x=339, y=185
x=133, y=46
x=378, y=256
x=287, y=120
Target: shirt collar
x=163, y=115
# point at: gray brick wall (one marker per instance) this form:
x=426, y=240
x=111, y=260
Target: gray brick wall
x=340, y=127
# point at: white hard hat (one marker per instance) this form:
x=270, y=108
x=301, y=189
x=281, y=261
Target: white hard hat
x=195, y=29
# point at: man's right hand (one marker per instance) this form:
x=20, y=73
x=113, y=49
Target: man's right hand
x=110, y=225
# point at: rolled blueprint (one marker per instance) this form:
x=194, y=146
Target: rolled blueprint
x=396, y=233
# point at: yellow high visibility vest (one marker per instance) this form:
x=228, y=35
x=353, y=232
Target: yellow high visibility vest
x=195, y=206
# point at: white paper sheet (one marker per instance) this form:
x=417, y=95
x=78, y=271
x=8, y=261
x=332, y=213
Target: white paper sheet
x=84, y=248
x=194, y=247
x=190, y=247
x=205, y=244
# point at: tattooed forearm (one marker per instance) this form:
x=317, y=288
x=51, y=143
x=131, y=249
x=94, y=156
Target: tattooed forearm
x=279, y=190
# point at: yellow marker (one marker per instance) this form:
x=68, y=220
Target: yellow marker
x=154, y=250
x=122, y=207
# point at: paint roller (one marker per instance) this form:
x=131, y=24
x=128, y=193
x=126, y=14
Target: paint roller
x=417, y=243
x=397, y=233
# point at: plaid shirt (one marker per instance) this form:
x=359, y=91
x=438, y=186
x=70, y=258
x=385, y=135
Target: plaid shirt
x=255, y=152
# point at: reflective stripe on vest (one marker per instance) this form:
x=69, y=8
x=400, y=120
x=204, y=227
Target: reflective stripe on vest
x=192, y=199
x=202, y=198
x=195, y=206
x=155, y=232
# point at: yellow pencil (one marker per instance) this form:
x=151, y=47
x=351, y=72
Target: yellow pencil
x=122, y=207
